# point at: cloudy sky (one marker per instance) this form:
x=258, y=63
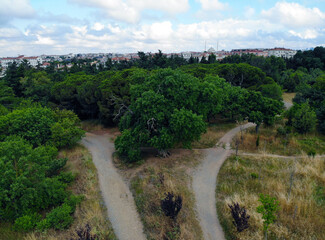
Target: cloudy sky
x=34, y=27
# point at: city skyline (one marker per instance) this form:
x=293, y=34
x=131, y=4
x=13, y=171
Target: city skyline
x=84, y=26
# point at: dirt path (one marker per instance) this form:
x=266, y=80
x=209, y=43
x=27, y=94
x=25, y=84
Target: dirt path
x=204, y=185
x=287, y=104
x=117, y=196
x=275, y=156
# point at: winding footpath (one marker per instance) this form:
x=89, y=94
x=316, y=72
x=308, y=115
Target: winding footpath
x=205, y=182
x=117, y=196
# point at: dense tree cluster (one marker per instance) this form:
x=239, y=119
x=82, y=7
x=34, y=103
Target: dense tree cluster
x=31, y=180
x=157, y=101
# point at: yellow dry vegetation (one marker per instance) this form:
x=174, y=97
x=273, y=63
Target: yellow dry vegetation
x=270, y=142
x=152, y=180
x=302, y=209
x=287, y=97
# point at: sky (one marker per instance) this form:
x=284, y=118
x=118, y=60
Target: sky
x=35, y=27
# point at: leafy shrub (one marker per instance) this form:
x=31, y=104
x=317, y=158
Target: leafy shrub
x=66, y=133
x=254, y=175
x=27, y=222
x=311, y=153
x=55, y=165
x=43, y=225
x=128, y=146
x=282, y=131
x=66, y=177
x=268, y=209
x=60, y=217
x=73, y=201
x=302, y=118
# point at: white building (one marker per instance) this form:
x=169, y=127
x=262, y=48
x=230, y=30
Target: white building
x=33, y=61
x=282, y=52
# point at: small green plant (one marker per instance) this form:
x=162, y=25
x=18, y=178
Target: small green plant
x=174, y=233
x=319, y=195
x=268, y=209
x=254, y=175
x=312, y=153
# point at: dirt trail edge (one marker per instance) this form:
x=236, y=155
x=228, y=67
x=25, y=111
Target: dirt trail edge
x=205, y=181
x=117, y=196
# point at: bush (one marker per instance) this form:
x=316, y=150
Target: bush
x=312, y=153
x=27, y=222
x=66, y=177
x=73, y=201
x=66, y=133
x=282, y=131
x=43, y=225
x=254, y=175
x=55, y=166
x=302, y=118
x=60, y=217
x=268, y=209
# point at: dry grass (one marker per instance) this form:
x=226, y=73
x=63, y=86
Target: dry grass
x=92, y=125
x=271, y=143
x=150, y=181
x=213, y=134
x=301, y=216
x=287, y=97
x=91, y=210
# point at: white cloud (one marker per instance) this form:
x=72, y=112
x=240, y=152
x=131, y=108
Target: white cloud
x=16, y=9
x=98, y=26
x=44, y=40
x=249, y=12
x=308, y=34
x=168, y=6
x=295, y=15
x=208, y=5
x=10, y=33
x=130, y=10
x=164, y=35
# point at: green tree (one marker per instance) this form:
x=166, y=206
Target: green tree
x=273, y=91
x=7, y=96
x=40, y=125
x=37, y=86
x=33, y=124
x=259, y=109
x=24, y=183
x=268, y=209
x=302, y=117
x=66, y=131
x=166, y=109
x=212, y=58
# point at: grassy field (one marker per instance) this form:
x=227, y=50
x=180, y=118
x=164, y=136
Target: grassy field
x=149, y=183
x=301, y=215
x=91, y=210
x=270, y=142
